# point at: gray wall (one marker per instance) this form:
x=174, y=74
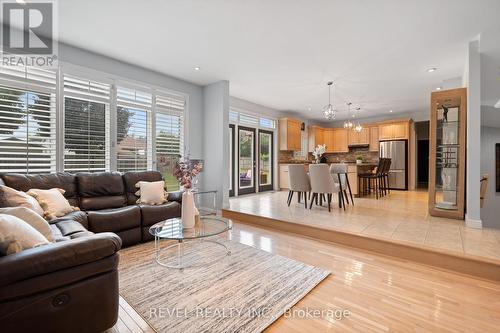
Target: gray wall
x=215, y=140
x=194, y=119
x=490, y=213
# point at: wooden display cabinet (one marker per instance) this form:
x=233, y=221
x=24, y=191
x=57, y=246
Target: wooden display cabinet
x=447, y=153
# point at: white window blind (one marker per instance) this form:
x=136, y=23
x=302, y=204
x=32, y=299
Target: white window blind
x=233, y=117
x=27, y=120
x=169, y=131
x=133, y=130
x=267, y=123
x=248, y=120
x=86, y=125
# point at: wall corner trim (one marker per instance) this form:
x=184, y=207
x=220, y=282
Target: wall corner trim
x=473, y=223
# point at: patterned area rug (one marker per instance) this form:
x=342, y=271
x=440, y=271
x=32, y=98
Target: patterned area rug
x=243, y=292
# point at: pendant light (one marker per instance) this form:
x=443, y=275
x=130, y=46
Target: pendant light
x=328, y=111
x=358, y=128
x=348, y=123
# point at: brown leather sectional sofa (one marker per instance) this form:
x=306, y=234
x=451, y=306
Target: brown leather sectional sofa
x=72, y=285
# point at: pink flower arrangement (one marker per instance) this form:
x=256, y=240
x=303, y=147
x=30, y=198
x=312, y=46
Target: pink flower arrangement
x=186, y=170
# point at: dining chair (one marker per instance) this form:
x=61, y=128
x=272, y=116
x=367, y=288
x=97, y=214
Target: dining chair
x=299, y=182
x=483, y=189
x=339, y=173
x=322, y=183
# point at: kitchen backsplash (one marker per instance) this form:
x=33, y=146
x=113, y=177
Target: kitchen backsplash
x=368, y=156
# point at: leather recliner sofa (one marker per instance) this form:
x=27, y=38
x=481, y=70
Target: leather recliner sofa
x=72, y=284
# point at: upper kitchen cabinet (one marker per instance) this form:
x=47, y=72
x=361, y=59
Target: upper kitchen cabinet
x=290, y=134
x=340, y=137
x=328, y=137
x=316, y=136
x=394, y=130
x=359, y=138
x=374, y=139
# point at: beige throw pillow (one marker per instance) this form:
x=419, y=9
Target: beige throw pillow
x=10, y=197
x=32, y=218
x=17, y=235
x=53, y=202
x=151, y=193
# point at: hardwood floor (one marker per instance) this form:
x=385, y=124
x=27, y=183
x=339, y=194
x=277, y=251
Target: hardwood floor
x=381, y=293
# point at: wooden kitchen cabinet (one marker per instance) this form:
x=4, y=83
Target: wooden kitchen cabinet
x=448, y=141
x=328, y=137
x=374, y=139
x=340, y=140
x=283, y=177
x=359, y=138
x=316, y=136
x=394, y=131
x=289, y=134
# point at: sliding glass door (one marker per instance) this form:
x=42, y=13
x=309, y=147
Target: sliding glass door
x=265, y=160
x=246, y=160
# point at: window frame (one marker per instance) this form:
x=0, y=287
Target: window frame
x=114, y=81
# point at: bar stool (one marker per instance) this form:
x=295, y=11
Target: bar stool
x=366, y=180
x=385, y=175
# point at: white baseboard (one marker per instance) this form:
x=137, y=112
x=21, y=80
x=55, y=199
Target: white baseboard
x=473, y=223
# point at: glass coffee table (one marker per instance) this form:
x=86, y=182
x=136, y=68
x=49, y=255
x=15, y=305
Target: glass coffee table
x=192, y=246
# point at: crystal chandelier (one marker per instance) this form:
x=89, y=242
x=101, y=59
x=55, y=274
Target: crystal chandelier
x=348, y=123
x=358, y=128
x=328, y=111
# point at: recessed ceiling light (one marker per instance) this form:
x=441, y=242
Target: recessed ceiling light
x=390, y=111
x=354, y=116
x=439, y=88
x=197, y=68
x=309, y=109
x=432, y=69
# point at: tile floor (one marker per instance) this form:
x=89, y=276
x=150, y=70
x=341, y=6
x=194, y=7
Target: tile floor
x=402, y=216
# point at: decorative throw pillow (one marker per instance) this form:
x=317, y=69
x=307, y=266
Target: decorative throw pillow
x=32, y=218
x=17, y=235
x=151, y=193
x=10, y=197
x=53, y=203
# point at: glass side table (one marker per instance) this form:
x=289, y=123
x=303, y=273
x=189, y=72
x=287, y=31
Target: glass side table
x=205, y=201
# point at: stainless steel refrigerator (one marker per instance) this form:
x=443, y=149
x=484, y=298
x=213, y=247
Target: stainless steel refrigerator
x=397, y=151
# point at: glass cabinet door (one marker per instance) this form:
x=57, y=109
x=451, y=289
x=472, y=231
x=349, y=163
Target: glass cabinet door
x=447, y=153
x=447, y=162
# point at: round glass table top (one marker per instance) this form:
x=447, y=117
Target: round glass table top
x=206, y=227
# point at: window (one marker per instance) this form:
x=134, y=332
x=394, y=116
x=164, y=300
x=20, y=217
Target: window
x=94, y=126
x=86, y=125
x=133, y=124
x=169, y=130
x=267, y=123
x=27, y=120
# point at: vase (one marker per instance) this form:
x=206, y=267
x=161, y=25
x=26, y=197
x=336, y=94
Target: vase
x=188, y=211
x=359, y=161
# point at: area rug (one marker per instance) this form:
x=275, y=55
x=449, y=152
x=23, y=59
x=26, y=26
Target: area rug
x=244, y=292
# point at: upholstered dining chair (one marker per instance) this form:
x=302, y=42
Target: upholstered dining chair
x=322, y=183
x=339, y=174
x=299, y=182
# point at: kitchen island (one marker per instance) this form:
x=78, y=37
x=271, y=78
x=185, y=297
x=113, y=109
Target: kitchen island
x=353, y=169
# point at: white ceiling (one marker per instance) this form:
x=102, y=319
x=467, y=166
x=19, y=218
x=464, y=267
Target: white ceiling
x=280, y=53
